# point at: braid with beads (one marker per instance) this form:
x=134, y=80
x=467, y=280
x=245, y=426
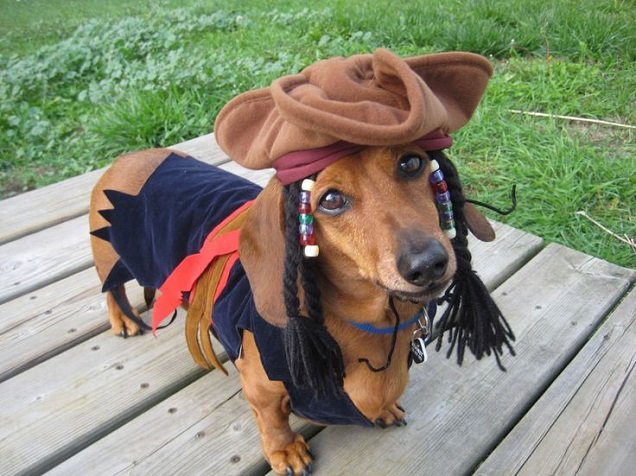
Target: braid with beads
x=313, y=356
x=472, y=318
x=293, y=254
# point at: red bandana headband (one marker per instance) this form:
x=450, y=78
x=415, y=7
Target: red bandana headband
x=299, y=164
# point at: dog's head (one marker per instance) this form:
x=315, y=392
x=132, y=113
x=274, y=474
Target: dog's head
x=377, y=222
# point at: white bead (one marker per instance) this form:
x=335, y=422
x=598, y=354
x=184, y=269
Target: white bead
x=307, y=185
x=311, y=251
x=451, y=233
x=434, y=165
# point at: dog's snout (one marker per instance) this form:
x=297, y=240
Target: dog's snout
x=423, y=264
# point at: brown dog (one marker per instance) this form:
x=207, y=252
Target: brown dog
x=377, y=220
x=388, y=242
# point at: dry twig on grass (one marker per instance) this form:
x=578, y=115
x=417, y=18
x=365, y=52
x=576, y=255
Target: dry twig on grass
x=625, y=239
x=572, y=118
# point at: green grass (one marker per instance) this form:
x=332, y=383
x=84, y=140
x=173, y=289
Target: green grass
x=84, y=80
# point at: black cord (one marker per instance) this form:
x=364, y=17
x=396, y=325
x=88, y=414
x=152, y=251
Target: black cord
x=393, y=342
x=513, y=197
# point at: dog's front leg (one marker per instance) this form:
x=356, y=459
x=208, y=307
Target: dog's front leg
x=286, y=451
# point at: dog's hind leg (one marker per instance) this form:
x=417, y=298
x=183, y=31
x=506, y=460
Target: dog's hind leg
x=120, y=324
x=286, y=451
x=127, y=175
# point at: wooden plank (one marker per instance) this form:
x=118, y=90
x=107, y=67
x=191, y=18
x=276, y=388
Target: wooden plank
x=60, y=406
x=456, y=415
x=236, y=448
x=38, y=259
x=614, y=451
x=179, y=435
x=177, y=416
x=498, y=260
x=585, y=423
x=37, y=209
x=56, y=252
x=49, y=320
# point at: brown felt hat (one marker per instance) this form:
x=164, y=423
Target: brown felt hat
x=372, y=99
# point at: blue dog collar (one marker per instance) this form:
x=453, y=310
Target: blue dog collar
x=431, y=309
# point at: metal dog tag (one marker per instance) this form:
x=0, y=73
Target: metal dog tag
x=418, y=350
x=418, y=347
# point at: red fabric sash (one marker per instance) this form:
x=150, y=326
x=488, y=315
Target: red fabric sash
x=185, y=275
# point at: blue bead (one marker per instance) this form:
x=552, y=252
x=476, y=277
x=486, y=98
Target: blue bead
x=306, y=229
x=305, y=197
x=443, y=197
x=437, y=176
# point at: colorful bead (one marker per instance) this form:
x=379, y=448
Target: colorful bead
x=305, y=197
x=306, y=229
x=306, y=240
x=311, y=251
x=307, y=185
x=436, y=176
x=441, y=187
x=305, y=219
x=306, y=232
x=443, y=199
x=445, y=207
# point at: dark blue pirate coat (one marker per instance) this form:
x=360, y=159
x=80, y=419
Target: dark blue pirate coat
x=180, y=203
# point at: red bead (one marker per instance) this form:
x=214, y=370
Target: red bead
x=441, y=187
x=304, y=208
x=307, y=240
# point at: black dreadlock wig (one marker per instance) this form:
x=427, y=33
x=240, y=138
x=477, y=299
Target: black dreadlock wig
x=471, y=318
x=313, y=356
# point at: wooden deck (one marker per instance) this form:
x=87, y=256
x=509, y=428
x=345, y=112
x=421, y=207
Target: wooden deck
x=74, y=399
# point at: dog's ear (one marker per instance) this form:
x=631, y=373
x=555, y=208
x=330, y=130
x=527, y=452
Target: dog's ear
x=262, y=252
x=477, y=223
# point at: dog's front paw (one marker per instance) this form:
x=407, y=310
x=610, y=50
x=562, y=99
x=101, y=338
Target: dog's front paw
x=392, y=415
x=294, y=459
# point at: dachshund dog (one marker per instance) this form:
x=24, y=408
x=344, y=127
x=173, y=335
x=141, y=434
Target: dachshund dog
x=331, y=337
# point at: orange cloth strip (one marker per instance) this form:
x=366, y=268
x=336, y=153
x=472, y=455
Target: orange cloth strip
x=183, y=278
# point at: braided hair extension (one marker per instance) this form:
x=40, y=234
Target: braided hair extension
x=313, y=356
x=472, y=318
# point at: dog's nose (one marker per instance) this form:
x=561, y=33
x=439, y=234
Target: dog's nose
x=423, y=263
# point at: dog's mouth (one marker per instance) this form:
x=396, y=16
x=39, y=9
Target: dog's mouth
x=426, y=294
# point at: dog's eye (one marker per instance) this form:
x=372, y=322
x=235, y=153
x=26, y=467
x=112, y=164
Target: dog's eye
x=410, y=165
x=333, y=202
